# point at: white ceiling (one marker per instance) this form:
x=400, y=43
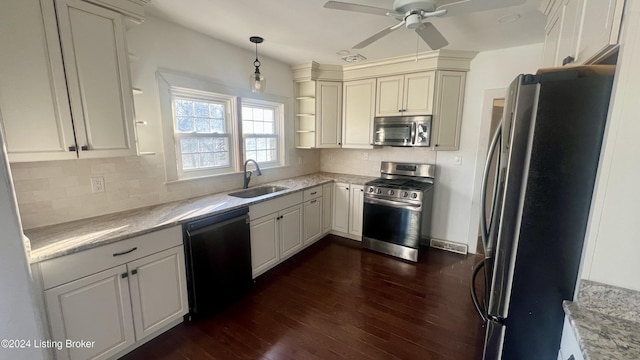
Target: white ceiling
x=298, y=31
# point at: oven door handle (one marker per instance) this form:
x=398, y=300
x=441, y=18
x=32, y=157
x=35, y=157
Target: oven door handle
x=392, y=203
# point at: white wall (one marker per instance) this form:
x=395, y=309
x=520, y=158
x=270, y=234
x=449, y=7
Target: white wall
x=19, y=317
x=489, y=70
x=59, y=191
x=613, y=242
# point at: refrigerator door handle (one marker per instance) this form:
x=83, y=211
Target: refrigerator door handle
x=484, y=231
x=494, y=340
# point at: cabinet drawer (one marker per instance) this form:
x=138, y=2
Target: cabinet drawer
x=267, y=207
x=312, y=193
x=74, y=266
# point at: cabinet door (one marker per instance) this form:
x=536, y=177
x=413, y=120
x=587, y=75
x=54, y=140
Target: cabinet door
x=264, y=244
x=341, y=207
x=313, y=220
x=33, y=93
x=570, y=34
x=327, y=207
x=96, y=64
x=290, y=231
x=328, y=114
x=94, y=308
x=418, y=93
x=389, y=91
x=551, y=39
x=447, y=113
x=601, y=28
x=356, y=209
x=158, y=290
x=358, y=113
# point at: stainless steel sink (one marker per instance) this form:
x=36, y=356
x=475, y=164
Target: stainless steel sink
x=258, y=191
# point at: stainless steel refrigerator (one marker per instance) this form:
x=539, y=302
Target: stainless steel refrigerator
x=546, y=150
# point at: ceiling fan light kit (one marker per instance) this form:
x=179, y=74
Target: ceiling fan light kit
x=257, y=81
x=414, y=15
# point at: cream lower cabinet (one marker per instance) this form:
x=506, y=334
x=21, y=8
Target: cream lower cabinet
x=327, y=207
x=95, y=308
x=122, y=305
x=275, y=235
x=312, y=220
x=356, y=208
x=290, y=231
x=348, y=206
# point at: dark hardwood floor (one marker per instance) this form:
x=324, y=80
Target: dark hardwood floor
x=337, y=301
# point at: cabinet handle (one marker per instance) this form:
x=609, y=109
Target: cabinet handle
x=362, y=190
x=339, y=143
x=568, y=60
x=400, y=110
x=436, y=145
x=84, y=148
x=125, y=252
x=313, y=193
x=134, y=271
x=314, y=201
x=72, y=148
x=124, y=275
x=346, y=188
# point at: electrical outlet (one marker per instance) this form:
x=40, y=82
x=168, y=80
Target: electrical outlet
x=97, y=184
x=457, y=160
x=365, y=155
x=299, y=160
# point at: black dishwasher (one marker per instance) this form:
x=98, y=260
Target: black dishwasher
x=218, y=255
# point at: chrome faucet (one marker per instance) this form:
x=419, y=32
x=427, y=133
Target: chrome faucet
x=247, y=175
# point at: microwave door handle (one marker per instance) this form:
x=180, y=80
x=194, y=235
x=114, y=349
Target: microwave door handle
x=484, y=231
x=413, y=133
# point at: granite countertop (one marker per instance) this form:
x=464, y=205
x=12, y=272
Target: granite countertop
x=53, y=241
x=606, y=321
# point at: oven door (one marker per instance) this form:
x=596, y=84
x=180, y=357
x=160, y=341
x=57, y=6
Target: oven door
x=392, y=221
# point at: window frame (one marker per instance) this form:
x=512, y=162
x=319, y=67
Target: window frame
x=278, y=126
x=170, y=80
x=231, y=112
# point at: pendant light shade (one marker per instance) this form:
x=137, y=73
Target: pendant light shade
x=257, y=81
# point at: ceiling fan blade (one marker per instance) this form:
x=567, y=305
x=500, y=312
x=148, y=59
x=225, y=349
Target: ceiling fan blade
x=338, y=5
x=469, y=6
x=431, y=36
x=380, y=34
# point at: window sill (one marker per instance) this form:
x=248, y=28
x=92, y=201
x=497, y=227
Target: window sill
x=213, y=176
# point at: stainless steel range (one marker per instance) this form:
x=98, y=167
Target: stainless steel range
x=397, y=209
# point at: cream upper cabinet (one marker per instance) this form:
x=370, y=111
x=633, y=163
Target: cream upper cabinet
x=328, y=114
x=65, y=90
x=447, y=111
x=601, y=28
x=34, y=106
x=410, y=94
x=358, y=112
x=581, y=31
x=96, y=64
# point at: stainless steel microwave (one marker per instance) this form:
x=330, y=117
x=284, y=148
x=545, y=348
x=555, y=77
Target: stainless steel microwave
x=402, y=130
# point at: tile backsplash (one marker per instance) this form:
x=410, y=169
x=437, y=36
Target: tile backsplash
x=60, y=191
x=367, y=162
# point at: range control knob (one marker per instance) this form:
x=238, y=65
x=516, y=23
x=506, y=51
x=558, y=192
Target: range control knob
x=391, y=192
x=405, y=194
x=378, y=191
x=414, y=195
x=371, y=189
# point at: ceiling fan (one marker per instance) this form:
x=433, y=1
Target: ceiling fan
x=414, y=15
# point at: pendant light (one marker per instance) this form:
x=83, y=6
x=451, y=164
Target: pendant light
x=257, y=81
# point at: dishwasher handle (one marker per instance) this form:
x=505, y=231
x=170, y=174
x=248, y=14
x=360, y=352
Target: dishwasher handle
x=215, y=225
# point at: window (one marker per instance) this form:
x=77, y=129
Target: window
x=260, y=131
x=211, y=129
x=203, y=132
